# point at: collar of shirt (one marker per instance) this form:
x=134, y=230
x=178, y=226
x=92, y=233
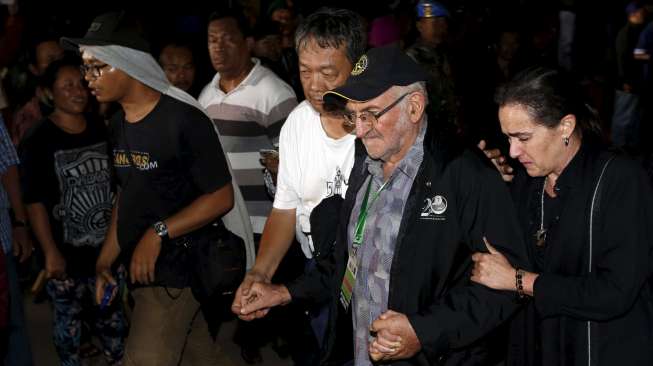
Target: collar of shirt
x=572, y=175
x=408, y=166
x=250, y=79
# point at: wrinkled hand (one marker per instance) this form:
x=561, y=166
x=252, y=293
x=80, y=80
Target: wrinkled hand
x=493, y=270
x=104, y=277
x=144, y=258
x=55, y=264
x=395, y=338
x=243, y=293
x=261, y=297
x=498, y=160
x=384, y=344
x=22, y=245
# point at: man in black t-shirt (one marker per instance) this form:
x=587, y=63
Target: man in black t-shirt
x=173, y=179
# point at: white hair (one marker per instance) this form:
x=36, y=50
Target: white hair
x=419, y=87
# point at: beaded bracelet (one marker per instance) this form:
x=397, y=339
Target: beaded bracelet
x=519, y=285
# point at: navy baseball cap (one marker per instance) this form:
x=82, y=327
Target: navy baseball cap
x=375, y=72
x=115, y=28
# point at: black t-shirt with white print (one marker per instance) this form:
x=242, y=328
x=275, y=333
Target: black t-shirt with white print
x=177, y=158
x=70, y=174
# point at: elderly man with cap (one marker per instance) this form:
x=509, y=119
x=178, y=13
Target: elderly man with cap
x=415, y=211
x=174, y=181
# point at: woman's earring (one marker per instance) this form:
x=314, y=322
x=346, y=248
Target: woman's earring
x=566, y=141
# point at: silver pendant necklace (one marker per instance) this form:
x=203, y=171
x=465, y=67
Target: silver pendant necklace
x=540, y=235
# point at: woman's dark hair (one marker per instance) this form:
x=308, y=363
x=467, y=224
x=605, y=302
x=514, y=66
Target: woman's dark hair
x=333, y=28
x=49, y=77
x=548, y=95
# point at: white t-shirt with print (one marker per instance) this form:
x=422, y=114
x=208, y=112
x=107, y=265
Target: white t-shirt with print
x=312, y=166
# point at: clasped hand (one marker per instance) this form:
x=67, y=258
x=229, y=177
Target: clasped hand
x=394, y=338
x=256, y=295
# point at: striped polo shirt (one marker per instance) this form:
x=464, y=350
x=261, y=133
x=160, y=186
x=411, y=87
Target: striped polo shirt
x=249, y=118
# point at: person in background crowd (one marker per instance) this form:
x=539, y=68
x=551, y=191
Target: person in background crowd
x=248, y=104
x=176, y=59
x=384, y=30
x=42, y=53
x=281, y=11
x=431, y=51
x=629, y=74
x=16, y=245
x=267, y=48
x=642, y=53
x=66, y=175
x=585, y=215
x=627, y=114
x=4, y=307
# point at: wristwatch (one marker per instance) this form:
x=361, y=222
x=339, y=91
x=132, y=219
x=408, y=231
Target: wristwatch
x=161, y=229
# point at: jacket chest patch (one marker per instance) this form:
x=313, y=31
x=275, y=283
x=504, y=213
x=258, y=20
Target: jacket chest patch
x=434, y=208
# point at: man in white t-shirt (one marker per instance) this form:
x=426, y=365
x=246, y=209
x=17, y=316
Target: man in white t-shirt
x=316, y=151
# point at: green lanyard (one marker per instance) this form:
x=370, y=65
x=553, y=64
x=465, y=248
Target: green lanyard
x=359, y=232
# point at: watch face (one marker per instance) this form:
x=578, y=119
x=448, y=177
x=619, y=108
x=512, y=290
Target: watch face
x=161, y=228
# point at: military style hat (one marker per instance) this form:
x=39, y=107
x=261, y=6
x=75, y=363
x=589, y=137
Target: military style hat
x=431, y=9
x=375, y=72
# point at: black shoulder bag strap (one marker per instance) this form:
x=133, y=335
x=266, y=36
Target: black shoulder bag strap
x=592, y=327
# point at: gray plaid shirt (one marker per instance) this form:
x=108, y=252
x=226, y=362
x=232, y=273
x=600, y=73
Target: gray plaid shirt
x=8, y=158
x=374, y=256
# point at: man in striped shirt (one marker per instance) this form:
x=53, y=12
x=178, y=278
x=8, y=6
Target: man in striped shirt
x=248, y=103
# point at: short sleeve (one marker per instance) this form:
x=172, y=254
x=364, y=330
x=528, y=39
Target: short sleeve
x=8, y=156
x=287, y=195
x=204, y=155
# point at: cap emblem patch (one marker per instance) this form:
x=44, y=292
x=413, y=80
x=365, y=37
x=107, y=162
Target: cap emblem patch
x=95, y=26
x=360, y=66
x=428, y=11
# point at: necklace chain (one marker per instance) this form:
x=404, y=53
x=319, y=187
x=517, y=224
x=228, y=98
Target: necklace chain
x=540, y=235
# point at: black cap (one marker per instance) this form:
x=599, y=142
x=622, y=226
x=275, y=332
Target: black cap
x=375, y=72
x=116, y=28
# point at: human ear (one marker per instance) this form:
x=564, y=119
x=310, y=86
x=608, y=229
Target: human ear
x=567, y=126
x=416, y=106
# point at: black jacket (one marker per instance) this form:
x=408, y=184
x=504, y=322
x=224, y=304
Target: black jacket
x=616, y=296
x=432, y=261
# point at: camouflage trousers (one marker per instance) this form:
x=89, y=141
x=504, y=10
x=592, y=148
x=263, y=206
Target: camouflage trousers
x=73, y=300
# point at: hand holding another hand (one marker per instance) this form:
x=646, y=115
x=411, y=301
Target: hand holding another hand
x=260, y=298
x=395, y=338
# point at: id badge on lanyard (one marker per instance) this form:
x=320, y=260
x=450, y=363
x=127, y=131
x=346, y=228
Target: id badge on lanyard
x=349, y=281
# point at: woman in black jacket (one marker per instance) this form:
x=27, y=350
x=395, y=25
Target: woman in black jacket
x=586, y=215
